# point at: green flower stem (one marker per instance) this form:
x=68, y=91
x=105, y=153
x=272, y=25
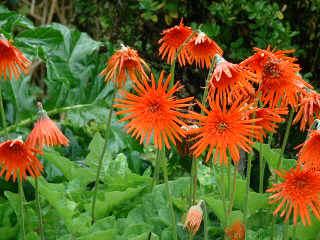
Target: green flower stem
x=279, y=165
x=52, y=112
x=206, y=89
x=246, y=197
x=194, y=179
x=3, y=116
x=106, y=141
x=294, y=233
x=156, y=169
x=173, y=64
x=166, y=182
x=223, y=193
x=285, y=231
x=39, y=209
x=23, y=234
x=229, y=180
x=233, y=192
x=205, y=220
x=262, y=167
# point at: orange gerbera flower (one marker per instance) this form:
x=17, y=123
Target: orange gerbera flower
x=230, y=82
x=309, y=108
x=193, y=219
x=11, y=59
x=236, y=231
x=172, y=40
x=268, y=118
x=299, y=191
x=278, y=75
x=16, y=157
x=309, y=154
x=154, y=111
x=201, y=49
x=122, y=62
x=224, y=129
x=46, y=132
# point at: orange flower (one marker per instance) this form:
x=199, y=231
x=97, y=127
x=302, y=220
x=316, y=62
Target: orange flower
x=172, y=40
x=224, y=129
x=230, y=82
x=236, y=231
x=154, y=111
x=16, y=157
x=268, y=118
x=278, y=75
x=309, y=107
x=299, y=191
x=11, y=59
x=309, y=154
x=123, y=61
x=46, y=132
x=194, y=218
x=201, y=49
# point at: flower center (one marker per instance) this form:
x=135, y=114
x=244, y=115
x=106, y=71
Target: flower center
x=271, y=69
x=301, y=184
x=155, y=107
x=221, y=126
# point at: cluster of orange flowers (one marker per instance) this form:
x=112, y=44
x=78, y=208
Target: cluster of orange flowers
x=18, y=157
x=231, y=122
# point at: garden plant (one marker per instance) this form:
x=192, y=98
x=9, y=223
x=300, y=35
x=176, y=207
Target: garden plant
x=107, y=145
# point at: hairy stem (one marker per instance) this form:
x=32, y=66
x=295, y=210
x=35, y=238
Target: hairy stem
x=156, y=169
x=3, y=116
x=23, y=234
x=246, y=197
x=39, y=209
x=106, y=141
x=233, y=192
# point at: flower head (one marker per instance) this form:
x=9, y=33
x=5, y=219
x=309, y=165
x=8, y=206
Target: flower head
x=46, y=132
x=154, y=111
x=309, y=154
x=12, y=60
x=236, y=231
x=194, y=218
x=224, y=129
x=230, y=82
x=299, y=191
x=122, y=62
x=278, y=76
x=309, y=107
x=201, y=49
x=16, y=157
x=268, y=118
x=172, y=40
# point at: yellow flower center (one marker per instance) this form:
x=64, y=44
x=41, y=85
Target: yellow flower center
x=221, y=126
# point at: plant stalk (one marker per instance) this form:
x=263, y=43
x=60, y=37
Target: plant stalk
x=39, y=209
x=23, y=234
x=173, y=64
x=206, y=89
x=233, y=192
x=156, y=170
x=205, y=221
x=194, y=179
x=166, y=182
x=245, y=212
x=262, y=167
x=108, y=123
x=3, y=116
x=223, y=193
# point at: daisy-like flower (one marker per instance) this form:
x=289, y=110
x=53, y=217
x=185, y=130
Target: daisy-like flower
x=45, y=132
x=309, y=107
x=309, y=154
x=224, y=129
x=16, y=157
x=201, y=49
x=172, y=40
x=122, y=62
x=154, y=111
x=12, y=61
x=278, y=75
x=194, y=218
x=236, y=231
x=299, y=191
x=268, y=118
x=230, y=82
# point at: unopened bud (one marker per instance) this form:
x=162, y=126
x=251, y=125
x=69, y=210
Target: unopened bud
x=194, y=218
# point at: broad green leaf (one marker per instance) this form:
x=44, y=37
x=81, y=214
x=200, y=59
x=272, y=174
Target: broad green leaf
x=10, y=19
x=101, y=235
x=32, y=236
x=307, y=232
x=272, y=156
x=146, y=236
x=14, y=201
x=136, y=229
x=8, y=233
x=111, y=200
x=69, y=169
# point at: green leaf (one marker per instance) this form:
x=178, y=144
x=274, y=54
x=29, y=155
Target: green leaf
x=111, y=200
x=69, y=169
x=10, y=19
x=8, y=233
x=272, y=156
x=102, y=235
x=307, y=232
